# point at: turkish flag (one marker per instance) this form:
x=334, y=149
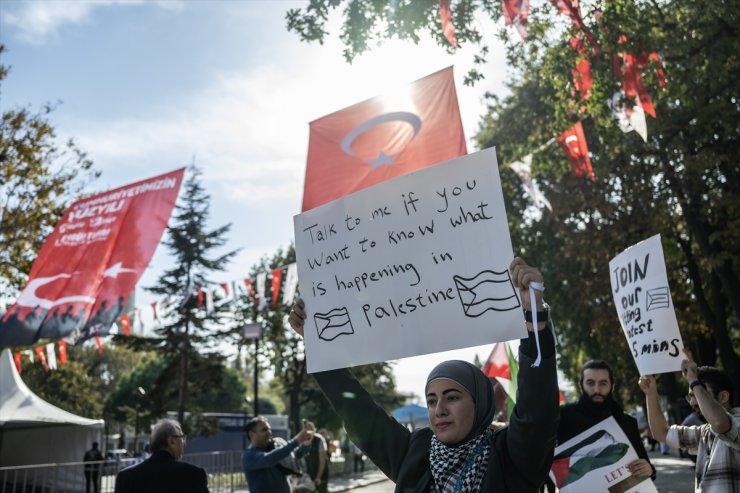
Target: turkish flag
x=89, y=265
x=277, y=278
x=573, y=141
x=516, y=12
x=382, y=138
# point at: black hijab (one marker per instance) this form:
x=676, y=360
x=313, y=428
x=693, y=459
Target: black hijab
x=478, y=386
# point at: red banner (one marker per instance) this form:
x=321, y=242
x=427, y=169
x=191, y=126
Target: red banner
x=89, y=265
x=382, y=138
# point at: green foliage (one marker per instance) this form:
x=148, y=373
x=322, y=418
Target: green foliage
x=682, y=183
x=39, y=177
x=69, y=387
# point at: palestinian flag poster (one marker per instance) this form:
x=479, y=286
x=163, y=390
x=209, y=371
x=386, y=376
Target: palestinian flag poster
x=596, y=460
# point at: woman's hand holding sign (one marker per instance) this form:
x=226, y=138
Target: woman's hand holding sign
x=522, y=275
x=297, y=317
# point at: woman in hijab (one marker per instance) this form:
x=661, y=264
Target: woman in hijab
x=460, y=452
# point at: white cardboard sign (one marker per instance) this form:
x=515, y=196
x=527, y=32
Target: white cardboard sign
x=414, y=265
x=645, y=308
x=596, y=460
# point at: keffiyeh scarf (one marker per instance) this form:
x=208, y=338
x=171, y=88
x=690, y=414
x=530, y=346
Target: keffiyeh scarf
x=461, y=468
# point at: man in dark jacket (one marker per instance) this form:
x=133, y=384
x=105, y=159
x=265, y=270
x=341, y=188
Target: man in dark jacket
x=317, y=460
x=92, y=471
x=163, y=472
x=595, y=405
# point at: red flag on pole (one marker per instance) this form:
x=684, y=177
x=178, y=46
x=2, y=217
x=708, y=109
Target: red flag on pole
x=573, y=141
x=277, y=278
x=126, y=324
x=62, y=351
x=200, y=297
x=445, y=16
x=382, y=138
x=17, y=359
x=90, y=263
x=516, y=13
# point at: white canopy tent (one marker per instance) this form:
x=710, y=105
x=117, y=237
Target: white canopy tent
x=32, y=431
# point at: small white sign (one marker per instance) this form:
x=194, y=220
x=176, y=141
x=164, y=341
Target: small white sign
x=414, y=265
x=645, y=309
x=596, y=460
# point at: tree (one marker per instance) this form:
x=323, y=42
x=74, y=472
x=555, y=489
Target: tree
x=682, y=183
x=188, y=336
x=39, y=177
x=69, y=387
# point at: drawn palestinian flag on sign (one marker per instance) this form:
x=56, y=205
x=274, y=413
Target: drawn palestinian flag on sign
x=503, y=365
x=593, y=452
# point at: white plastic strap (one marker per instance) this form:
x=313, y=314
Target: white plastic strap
x=535, y=286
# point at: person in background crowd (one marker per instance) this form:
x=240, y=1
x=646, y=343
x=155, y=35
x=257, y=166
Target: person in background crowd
x=262, y=459
x=317, y=460
x=460, y=452
x=718, y=441
x=92, y=471
x=163, y=472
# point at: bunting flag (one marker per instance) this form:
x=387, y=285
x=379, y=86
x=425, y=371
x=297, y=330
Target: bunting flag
x=88, y=266
x=139, y=319
x=154, y=311
x=572, y=9
x=582, y=78
x=227, y=291
x=573, y=142
x=250, y=288
x=51, y=356
x=503, y=365
x=261, y=281
x=17, y=359
x=382, y=138
x=523, y=169
x=291, y=284
x=99, y=343
x=42, y=357
x=445, y=16
x=516, y=13
x=209, y=300
x=126, y=325
x=633, y=84
x=277, y=279
x=29, y=354
x=634, y=119
x=62, y=351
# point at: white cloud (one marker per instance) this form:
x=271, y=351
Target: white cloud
x=36, y=20
x=251, y=129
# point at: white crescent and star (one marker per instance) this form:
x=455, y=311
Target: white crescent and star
x=29, y=298
x=382, y=159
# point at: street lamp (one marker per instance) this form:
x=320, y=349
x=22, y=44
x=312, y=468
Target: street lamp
x=139, y=394
x=254, y=331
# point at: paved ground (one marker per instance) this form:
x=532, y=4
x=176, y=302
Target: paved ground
x=674, y=475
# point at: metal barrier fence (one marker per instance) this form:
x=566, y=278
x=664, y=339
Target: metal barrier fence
x=224, y=470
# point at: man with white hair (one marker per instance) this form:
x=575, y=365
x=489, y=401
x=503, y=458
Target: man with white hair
x=163, y=472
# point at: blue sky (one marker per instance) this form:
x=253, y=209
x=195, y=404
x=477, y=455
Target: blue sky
x=146, y=85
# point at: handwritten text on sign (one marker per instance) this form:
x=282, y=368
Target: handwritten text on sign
x=414, y=265
x=643, y=300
